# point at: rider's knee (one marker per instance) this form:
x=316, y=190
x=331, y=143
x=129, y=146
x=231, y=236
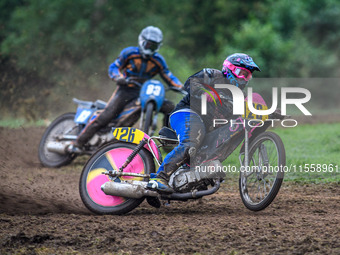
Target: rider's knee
x=103, y=119
x=189, y=149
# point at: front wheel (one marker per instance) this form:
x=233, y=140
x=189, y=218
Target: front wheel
x=147, y=124
x=63, y=125
x=261, y=181
x=111, y=157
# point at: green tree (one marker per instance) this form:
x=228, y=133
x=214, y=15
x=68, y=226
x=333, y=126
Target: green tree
x=56, y=47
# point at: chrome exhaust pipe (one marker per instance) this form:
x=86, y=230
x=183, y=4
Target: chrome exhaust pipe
x=135, y=190
x=57, y=147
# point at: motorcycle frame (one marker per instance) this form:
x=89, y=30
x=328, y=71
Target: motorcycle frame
x=249, y=136
x=151, y=140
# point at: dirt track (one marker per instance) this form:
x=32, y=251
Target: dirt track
x=41, y=213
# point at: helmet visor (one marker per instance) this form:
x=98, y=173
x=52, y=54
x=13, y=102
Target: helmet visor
x=244, y=73
x=150, y=45
x=239, y=72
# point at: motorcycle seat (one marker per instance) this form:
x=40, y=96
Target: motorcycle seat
x=100, y=104
x=166, y=132
x=82, y=103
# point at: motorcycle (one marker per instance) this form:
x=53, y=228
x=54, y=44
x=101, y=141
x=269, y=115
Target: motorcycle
x=151, y=97
x=114, y=180
x=65, y=128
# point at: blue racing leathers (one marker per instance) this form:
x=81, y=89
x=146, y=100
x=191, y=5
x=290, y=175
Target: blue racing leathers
x=131, y=64
x=190, y=131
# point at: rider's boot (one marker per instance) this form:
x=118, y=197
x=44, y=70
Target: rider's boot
x=159, y=183
x=77, y=146
x=171, y=163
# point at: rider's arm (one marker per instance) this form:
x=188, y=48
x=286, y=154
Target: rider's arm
x=165, y=73
x=115, y=69
x=194, y=84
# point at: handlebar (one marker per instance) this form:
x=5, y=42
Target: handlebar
x=278, y=115
x=129, y=80
x=133, y=81
x=182, y=91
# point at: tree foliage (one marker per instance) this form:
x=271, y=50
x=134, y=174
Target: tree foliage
x=66, y=42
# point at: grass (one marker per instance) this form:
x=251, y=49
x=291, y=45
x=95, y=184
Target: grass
x=16, y=123
x=305, y=145
x=312, y=144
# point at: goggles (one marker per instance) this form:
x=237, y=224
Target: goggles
x=239, y=72
x=150, y=45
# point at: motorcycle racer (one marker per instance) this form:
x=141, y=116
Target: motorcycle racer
x=139, y=63
x=186, y=121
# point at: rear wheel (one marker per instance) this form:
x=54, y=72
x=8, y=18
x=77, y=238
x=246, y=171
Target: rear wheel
x=112, y=157
x=63, y=125
x=260, y=183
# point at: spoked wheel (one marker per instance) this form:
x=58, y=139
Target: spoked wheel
x=63, y=125
x=112, y=157
x=260, y=183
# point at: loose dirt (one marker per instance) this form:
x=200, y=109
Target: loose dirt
x=41, y=213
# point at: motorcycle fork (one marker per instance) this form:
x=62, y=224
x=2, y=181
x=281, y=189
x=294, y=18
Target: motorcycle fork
x=246, y=147
x=153, y=124
x=141, y=119
x=133, y=154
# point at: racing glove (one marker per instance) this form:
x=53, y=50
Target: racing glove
x=121, y=81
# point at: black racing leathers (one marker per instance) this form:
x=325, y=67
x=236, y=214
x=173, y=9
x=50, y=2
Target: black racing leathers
x=198, y=84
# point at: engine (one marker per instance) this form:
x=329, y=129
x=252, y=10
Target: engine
x=188, y=179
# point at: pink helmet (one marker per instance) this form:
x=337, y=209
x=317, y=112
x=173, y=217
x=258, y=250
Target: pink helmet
x=241, y=66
